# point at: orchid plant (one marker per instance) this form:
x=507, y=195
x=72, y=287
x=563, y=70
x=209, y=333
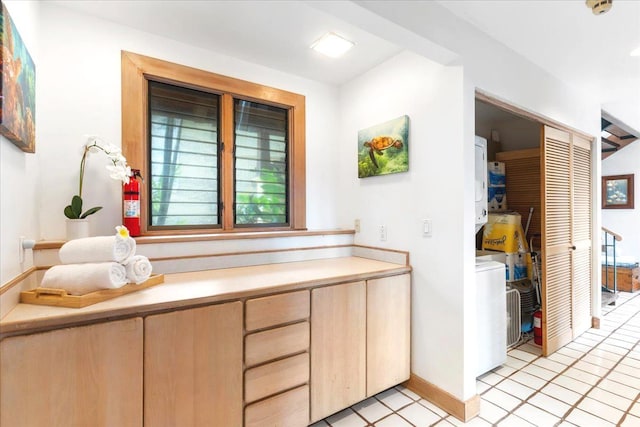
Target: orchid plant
x=117, y=170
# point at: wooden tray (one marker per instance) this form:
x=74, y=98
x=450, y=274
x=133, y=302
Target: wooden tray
x=60, y=298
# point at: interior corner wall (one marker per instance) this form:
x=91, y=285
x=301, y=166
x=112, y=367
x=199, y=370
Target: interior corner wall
x=431, y=95
x=625, y=222
x=19, y=170
x=79, y=93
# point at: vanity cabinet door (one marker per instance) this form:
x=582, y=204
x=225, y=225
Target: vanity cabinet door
x=338, y=326
x=81, y=376
x=193, y=367
x=388, y=332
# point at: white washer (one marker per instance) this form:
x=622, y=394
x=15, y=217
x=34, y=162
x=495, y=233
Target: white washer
x=491, y=315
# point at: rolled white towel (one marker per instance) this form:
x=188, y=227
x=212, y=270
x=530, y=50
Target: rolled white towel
x=138, y=269
x=98, y=249
x=80, y=279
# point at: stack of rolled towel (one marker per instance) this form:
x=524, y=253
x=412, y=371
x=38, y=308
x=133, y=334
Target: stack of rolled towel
x=94, y=263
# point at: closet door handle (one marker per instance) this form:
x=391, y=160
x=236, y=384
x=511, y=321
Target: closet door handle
x=573, y=248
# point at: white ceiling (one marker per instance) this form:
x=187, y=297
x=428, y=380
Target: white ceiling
x=562, y=36
x=591, y=52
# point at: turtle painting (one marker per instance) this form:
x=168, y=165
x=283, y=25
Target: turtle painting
x=384, y=148
x=379, y=143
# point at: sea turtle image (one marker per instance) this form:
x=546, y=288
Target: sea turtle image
x=379, y=143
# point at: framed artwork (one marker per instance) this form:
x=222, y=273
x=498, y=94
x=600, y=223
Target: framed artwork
x=18, y=89
x=617, y=192
x=384, y=148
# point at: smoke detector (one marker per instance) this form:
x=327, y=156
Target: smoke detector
x=598, y=7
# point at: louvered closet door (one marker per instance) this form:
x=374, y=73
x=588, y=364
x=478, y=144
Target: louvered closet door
x=566, y=238
x=581, y=235
x=556, y=240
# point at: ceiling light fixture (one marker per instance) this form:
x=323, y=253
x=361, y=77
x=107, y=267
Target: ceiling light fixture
x=598, y=7
x=332, y=45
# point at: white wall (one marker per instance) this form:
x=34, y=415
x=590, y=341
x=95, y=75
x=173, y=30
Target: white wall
x=625, y=222
x=18, y=170
x=444, y=284
x=79, y=94
x=431, y=95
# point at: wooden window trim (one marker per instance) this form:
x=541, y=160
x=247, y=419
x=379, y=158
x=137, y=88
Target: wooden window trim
x=137, y=69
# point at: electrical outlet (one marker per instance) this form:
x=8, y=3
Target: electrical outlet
x=383, y=233
x=357, y=225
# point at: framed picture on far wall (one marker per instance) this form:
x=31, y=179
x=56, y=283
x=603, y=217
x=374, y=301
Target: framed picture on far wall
x=617, y=192
x=18, y=88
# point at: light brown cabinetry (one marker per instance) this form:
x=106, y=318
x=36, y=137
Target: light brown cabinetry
x=81, y=376
x=338, y=342
x=388, y=332
x=360, y=341
x=193, y=367
x=277, y=360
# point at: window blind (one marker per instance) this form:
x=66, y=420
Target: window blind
x=184, y=165
x=261, y=164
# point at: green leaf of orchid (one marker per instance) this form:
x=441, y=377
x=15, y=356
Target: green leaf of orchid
x=90, y=212
x=76, y=206
x=68, y=212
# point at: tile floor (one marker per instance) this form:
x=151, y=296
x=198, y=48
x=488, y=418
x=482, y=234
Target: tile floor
x=593, y=381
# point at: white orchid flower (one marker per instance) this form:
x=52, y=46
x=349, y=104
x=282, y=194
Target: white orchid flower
x=120, y=172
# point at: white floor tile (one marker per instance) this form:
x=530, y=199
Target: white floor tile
x=566, y=424
x=601, y=410
x=504, y=370
x=502, y=399
x=549, y=404
x=408, y=392
x=635, y=409
x=571, y=352
x=539, y=372
x=582, y=418
x=572, y=384
x=522, y=355
x=550, y=365
x=418, y=415
x=518, y=390
x=561, y=358
x=443, y=423
x=394, y=399
x=482, y=387
x=628, y=370
x=561, y=393
x=591, y=368
x=630, y=421
x=579, y=347
x=610, y=399
x=392, y=421
x=599, y=361
x=320, y=423
x=475, y=422
x=623, y=344
x=529, y=380
x=515, y=363
x=346, y=418
x=624, y=379
x=514, y=421
x=531, y=347
x=432, y=407
x=491, y=378
x=583, y=376
x=536, y=416
x=619, y=389
x=613, y=348
x=491, y=412
x=371, y=409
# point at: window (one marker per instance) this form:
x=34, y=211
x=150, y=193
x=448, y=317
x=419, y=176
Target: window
x=217, y=153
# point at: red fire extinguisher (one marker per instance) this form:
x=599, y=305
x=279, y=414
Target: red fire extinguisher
x=131, y=204
x=537, y=327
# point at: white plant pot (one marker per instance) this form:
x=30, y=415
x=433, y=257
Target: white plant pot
x=77, y=228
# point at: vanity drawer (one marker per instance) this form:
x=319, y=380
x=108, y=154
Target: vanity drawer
x=275, y=343
x=275, y=377
x=290, y=409
x=276, y=310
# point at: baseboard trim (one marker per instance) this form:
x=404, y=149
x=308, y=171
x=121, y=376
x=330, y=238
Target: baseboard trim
x=595, y=322
x=18, y=279
x=462, y=410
